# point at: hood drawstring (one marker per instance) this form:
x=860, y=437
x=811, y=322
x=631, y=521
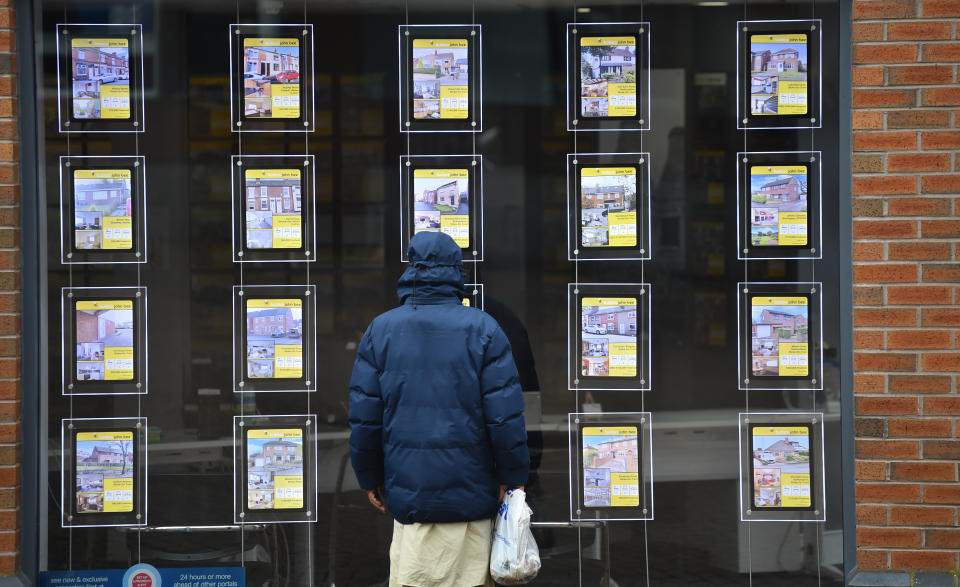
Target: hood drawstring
x=416, y=268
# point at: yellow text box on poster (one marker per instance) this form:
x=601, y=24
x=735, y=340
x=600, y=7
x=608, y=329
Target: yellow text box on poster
x=793, y=359
x=457, y=226
x=114, y=101
x=454, y=101
x=624, y=489
x=288, y=361
x=288, y=492
x=119, y=363
x=118, y=494
x=623, y=229
x=792, y=489
x=792, y=228
x=623, y=359
x=287, y=231
x=117, y=232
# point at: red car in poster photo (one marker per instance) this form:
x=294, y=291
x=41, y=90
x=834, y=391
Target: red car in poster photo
x=286, y=77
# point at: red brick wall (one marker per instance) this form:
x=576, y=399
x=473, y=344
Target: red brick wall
x=906, y=254
x=9, y=298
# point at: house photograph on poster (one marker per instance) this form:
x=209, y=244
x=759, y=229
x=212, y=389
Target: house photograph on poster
x=608, y=206
x=104, y=471
x=778, y=205
x=275, y=469
x=781, y=466
x=100, y=75
x=608, y=76
x=271, y=78
x=779, y=335
x=103, y=209
x=441, y=203
x=274, y=341
x=778, y=74
x=611, y=465
x=608, y=337
x=440, y=78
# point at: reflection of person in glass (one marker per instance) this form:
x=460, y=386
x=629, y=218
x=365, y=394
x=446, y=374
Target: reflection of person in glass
x=436, y=416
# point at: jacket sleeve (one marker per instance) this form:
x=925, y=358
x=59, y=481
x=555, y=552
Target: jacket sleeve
x=503, y=411
x=366, y=417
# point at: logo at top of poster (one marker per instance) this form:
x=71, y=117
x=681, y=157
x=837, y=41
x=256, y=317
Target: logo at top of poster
x=142, y=575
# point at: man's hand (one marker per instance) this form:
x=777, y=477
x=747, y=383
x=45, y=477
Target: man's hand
x=376, y=499
x=504, y=488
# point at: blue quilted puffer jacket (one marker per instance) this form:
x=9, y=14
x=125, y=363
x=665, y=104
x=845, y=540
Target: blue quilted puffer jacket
x=436, y=410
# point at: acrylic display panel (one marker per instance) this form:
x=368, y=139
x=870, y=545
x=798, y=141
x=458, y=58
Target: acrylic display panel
x=271, y=78
x=608, y=206
x=104, y=340
x=441, y=82
x=779, y=205
x=100, y=78
x=474, y=297
x=780, y=336
x=608, y=76
x=274, y=337
x=275, y=469
x=608, y=336
x=611, y=466
x=104, y=464
x=103, y=210
x=782, y=467
x=274, y=212
x=778, y=74
x=443, y=193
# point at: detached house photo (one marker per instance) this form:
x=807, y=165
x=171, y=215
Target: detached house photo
x=97, y=460
x=267, y=459
x=433, y=68
x=601, y=66
x=770, y=63
x=435, y=197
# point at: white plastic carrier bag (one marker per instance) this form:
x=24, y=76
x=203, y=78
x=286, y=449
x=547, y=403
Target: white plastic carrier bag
x=514, y=556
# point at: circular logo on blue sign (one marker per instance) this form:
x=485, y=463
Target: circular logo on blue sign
x=142, y=575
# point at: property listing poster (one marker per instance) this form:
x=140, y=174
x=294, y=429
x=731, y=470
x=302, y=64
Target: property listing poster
x=275, y=468
x=441, y=88
x=611, y=458
x=781, y=467
x=780, y=336
x=778, y=74
x=100, y=75
x=275, y=338
x=608, y=206
x=778, y=205
x=102, y=209
x=274, y=208
x=441, y=203
x=608, y=337
x=271, y=78
x=608, y=77
x=105, y=347
x=104, y=471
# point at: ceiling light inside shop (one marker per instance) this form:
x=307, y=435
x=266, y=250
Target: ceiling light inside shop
x=713, y=3
x=583, y=10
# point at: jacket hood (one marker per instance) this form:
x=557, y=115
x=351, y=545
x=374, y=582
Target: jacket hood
x=435, y=273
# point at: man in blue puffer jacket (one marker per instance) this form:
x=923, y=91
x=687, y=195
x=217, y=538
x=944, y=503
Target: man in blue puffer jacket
x=436, y=418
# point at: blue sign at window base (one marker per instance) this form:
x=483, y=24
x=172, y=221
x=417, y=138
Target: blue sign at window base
x=147, y=576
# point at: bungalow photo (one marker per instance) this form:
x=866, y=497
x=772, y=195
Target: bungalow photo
x=608, y=76
x=104, y=471
x=778, y=74
x=778, y=205
x=271, y=78
x=275, y=469
x=781, y=466
x=779, y=334
x=274, y=338
x=608, y=206
x=100, y=75
x=274, y=205
x=608, y=337
x=441, y=203
x=103, y=209
x=440, y=79
x=611, y=464
x=104, y=340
